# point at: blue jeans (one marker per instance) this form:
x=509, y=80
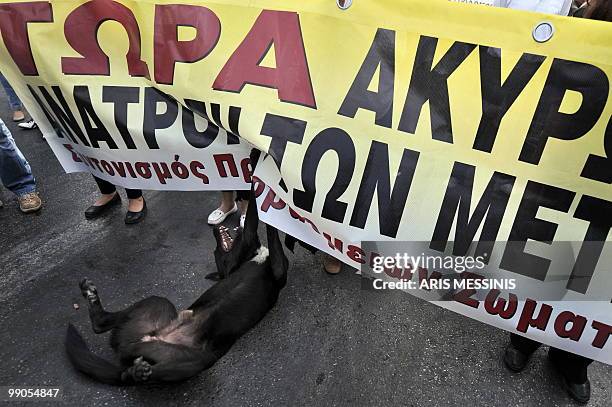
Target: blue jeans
x=15, y=172
x=13, y=99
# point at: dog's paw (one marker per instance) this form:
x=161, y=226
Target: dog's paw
x=88, y=290
x=141, y=370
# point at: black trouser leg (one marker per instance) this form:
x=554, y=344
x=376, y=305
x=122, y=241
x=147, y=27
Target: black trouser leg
x=243, y=195
x=574, y=367
x=133, y=193
x=105, y=186
x=524, y=345
x=108, y=188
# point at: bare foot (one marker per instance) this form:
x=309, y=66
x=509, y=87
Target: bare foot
x=104, y=199
x=136, y=205
x=227, y=201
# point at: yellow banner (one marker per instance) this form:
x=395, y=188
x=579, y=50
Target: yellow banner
x=463, y=127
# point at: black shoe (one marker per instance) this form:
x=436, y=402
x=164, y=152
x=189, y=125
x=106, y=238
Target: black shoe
x=514, y=359
x=581, y=392
x=94, y=211
x=132, y=218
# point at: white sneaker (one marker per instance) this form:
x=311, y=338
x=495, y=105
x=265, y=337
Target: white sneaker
x=242, y=219
x=29, y=125
x=217, y=216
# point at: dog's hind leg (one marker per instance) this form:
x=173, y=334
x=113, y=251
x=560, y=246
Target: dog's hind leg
x=166, y=362
x=101, y=320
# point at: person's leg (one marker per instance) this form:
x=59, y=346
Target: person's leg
x=574, y=371
x=15, y=171
x=107, y=190
x=107, y=199
x=13, y=99
x=133, y=193
x=136, y=200
x=16, y=174
x=226, y=208
x=523, y=344
x=574, y=366
x=227, y=201
x=518, y=352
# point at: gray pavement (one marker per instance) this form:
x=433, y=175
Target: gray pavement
x=326, y=342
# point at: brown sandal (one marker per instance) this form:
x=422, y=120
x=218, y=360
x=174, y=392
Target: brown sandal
x=331, y=265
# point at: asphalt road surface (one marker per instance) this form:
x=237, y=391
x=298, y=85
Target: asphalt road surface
x=327, y=342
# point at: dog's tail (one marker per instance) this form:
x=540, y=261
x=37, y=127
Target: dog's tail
x=87, y=362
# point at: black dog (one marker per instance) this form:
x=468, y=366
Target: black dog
x=158, y=344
